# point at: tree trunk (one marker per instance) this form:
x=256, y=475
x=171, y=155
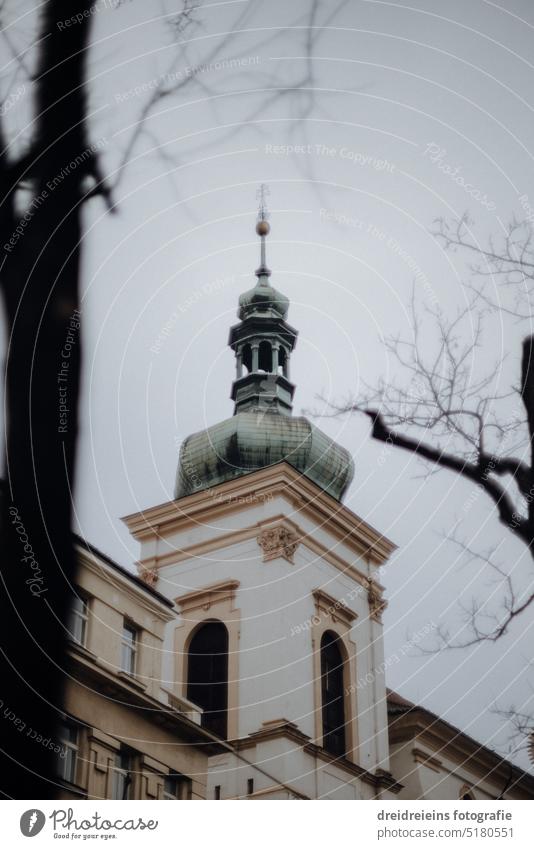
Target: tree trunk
x=527, y=395
x=40, y=286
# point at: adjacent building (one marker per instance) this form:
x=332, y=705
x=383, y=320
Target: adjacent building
x=124, y=734
x=434, y=760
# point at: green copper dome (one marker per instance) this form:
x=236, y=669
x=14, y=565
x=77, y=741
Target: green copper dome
x=262, y=431
x=253, y=440
x=262, y=298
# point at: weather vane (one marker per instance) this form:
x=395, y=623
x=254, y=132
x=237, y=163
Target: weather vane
x=263, y=227
x=262, y=194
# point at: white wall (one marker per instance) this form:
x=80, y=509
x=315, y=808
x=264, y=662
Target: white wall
x=276, y=606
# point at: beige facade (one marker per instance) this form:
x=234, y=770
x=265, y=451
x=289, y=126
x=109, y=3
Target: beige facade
x=125, y=735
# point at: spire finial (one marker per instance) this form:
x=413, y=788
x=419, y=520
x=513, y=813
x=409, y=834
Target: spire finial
x=263, y=227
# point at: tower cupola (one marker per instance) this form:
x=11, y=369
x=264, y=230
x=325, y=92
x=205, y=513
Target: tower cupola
x=262, y=341
x=262, y=430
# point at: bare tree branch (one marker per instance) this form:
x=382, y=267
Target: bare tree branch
x=508, y=263
x=443, y=409
x=475, y=473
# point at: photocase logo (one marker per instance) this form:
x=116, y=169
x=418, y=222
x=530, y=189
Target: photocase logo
x=32, y=822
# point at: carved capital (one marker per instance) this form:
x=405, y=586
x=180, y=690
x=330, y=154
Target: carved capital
x=278, y=542
x=149, y=576
x=377, y=604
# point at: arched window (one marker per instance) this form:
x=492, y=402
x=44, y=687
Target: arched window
x=246, y=355
x=333, y=694
x=282, y=358
x=466, y=793
x=207, y=675
x=265, y=361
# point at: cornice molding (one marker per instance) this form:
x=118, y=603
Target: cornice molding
x=426, y=759
x=121, y=584
x=335, y=608
x=283, y=728
x=260, y=486
x=227, y=539
x=207, y=596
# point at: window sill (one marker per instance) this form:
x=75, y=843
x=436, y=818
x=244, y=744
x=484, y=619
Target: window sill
x=131, y=679
x=75, y=789
x=82, y=650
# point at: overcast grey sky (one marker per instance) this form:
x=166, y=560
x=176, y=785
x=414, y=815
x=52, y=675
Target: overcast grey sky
x=399, y=96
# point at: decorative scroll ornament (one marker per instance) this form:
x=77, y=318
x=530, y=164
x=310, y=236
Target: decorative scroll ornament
x=149, y=576
x=377, y=604
x=278, y=542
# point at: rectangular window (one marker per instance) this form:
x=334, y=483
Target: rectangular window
x=217, y=793
x=68, y=756
x=129, y=649
x=177, y=787
x=250, y=786
x=122, y=776
x=79, y=615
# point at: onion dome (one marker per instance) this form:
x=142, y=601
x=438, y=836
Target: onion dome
x=252, y=440
x=262, y=299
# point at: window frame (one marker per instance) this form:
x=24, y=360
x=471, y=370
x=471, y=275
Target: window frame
x=331, y=614
x=81, y=616
x=215, y=716
x=339, y=731
x=211, y=601
x=122, y=771
x=71, y=747
x=183, y=787
x=131, y=646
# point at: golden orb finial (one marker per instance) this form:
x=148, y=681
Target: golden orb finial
x=263, y=228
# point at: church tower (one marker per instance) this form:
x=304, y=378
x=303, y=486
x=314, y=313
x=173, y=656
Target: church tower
x=277, y=636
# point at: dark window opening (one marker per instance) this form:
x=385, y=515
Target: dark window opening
x=333, y=694
x=265, y=361
x=217, y=791
x=176, y=786
x=250, y=786
x=207, y=675
x=246, y=356
x=67, y=760
x=282, y=361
